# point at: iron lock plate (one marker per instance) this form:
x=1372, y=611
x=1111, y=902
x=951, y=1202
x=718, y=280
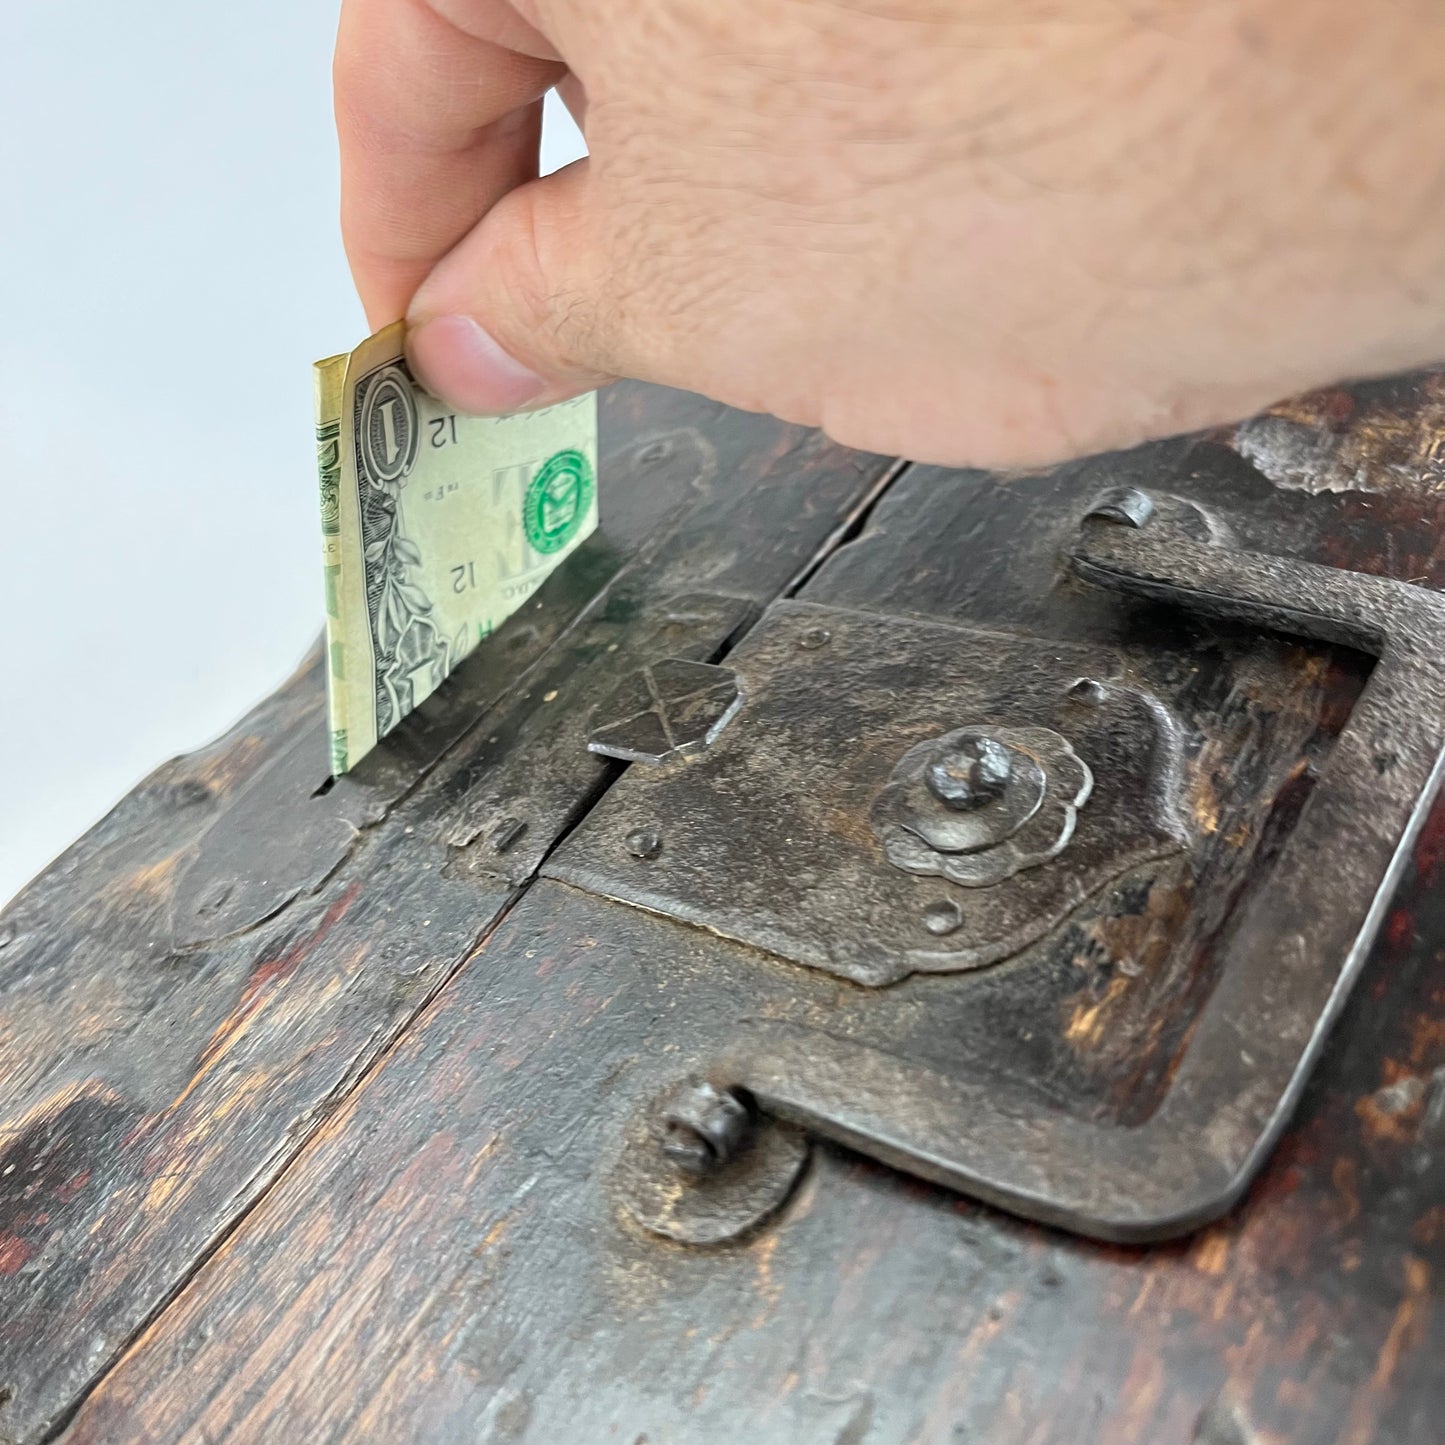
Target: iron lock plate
x=961, y=824
x=781, y=836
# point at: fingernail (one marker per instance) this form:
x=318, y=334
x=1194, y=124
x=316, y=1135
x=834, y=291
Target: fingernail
x=460, y=364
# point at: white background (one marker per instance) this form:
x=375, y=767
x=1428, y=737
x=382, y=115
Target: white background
x=169, y=268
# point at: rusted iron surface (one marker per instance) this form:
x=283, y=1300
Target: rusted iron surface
x=787, y=832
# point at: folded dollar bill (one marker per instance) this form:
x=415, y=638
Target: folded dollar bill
x=435, y=526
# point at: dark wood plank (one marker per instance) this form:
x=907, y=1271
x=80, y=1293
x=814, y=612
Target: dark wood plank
x=192, y=988
x=447, y=1261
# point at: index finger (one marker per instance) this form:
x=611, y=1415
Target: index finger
x=438, y=113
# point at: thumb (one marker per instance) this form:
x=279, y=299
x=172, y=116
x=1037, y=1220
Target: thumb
x=516, y=316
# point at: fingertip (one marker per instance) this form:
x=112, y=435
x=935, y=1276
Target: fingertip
x=461, y=364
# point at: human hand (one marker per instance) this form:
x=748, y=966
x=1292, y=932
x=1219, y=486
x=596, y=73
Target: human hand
x=992, y=232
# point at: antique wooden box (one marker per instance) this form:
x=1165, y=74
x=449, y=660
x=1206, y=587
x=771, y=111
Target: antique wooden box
x=872, y=954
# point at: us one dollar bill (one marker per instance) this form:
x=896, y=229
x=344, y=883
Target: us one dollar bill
x=435, y=527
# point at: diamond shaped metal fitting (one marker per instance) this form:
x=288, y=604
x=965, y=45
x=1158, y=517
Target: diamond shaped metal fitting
x=665, y=709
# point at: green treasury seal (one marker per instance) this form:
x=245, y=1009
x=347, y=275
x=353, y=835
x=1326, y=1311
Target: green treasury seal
x=558, y=500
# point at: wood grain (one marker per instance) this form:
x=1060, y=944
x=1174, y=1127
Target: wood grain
x=447, y=1263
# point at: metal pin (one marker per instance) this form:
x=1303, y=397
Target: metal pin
x=644, y=842
x=705, y=1127
x=970, y=776
x=943, y=917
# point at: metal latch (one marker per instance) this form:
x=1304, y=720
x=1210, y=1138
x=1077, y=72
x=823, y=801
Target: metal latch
x=957, y=823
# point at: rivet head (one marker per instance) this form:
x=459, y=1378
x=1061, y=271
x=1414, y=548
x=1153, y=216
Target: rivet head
x=1087, y=690
x=702, y=1165
x=704, y=1128
x=943, y=917
x=506, y=833
x=1127, y=506
x=978, y=804
x=644, y=842
x=814, y=638
x=971, y=775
